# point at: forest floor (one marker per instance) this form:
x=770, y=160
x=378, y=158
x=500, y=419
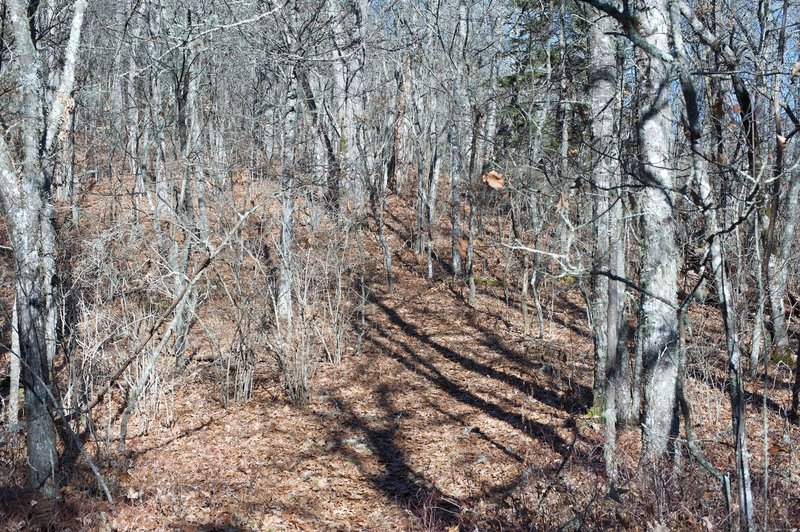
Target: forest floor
x=450, y=418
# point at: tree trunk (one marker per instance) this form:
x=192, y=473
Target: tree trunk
x=16, y=367
x=777, y=251
x=193, y=227
x=457, y=136
x=398, y=165
x=602, y=86
x=161, y=204
x=722, y=285
x=41, y=435
x=132, y=121
x=612, y=394
x=26, y=200
x=284, y=297
x=658, y=328
x=348, y=67
x=324, y=150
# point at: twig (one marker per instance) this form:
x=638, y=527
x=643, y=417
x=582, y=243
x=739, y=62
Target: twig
x=175, y=302
x=686, y=411
x=631, y=284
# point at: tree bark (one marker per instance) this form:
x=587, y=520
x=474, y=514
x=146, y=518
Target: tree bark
x=612, y=394
x=658, y=328
x=457, y=136
x=284, y=297
x=26, y=200
x=348, y=68
x=776, y=253
x=16, y=370
x=602, y=85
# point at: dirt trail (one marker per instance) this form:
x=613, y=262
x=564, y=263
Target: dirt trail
x=444, y=414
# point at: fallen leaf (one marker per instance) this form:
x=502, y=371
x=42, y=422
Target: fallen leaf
x=493, y=180
x=463, y=246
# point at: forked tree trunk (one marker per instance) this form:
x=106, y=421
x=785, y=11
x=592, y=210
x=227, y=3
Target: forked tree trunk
x=26, y=201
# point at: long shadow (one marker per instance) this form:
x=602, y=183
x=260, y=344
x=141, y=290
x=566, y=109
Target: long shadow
x=537, y=392
x=493, y=341
x=441, y=267
x=398, y=480
x=392, y=347
x=70, y=456
x=755, y=399
x=440, y=259
x=27, y=509
x=170, y=441
x=562, y=304
x=566, y=304
x=477, y=430
x=445, y=267
x=406, y=237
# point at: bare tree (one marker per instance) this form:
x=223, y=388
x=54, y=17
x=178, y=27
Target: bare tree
x=25, y=187
x=716, y=251
x=611, y=387
x=659, y=325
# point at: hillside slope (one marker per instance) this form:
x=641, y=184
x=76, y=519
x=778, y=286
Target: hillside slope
x=448, y=419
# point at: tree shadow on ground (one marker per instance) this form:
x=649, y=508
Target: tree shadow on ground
x=563, y=304
x=753, y=399
x=184, y=434
x=397, y=479
x=408, y=357
x=476, y=430
x=580, y=397
x=409, y=487
x=27, y=509
x=526, y=387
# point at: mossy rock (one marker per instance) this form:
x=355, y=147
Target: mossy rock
x=567, y=280
x=493, y=283
x=594, y=413
x=782, y=354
